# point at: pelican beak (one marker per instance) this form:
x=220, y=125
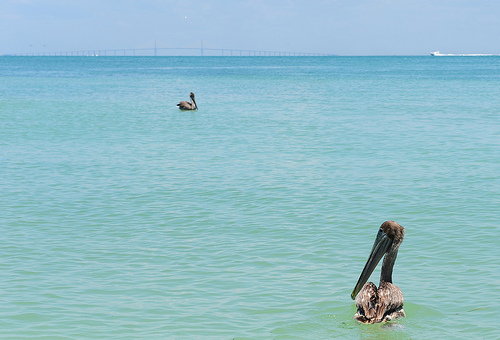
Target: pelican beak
x=380, y=247
x=194, y=101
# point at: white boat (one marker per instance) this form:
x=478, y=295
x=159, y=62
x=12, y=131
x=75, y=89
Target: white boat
x=439, y=54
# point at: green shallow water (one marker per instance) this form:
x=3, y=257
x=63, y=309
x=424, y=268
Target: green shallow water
x=123, y=217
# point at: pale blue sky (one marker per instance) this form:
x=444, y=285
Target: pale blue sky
x=343, y=27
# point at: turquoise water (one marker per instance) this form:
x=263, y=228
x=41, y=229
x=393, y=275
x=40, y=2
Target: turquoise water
x=252, y=218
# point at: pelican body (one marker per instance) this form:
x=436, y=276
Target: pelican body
x=384, y=303
x=188, y=106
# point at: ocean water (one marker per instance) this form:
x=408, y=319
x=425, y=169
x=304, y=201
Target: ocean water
x=251, y=218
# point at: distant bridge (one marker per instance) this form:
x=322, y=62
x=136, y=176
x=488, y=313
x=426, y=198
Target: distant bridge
x=174, y=51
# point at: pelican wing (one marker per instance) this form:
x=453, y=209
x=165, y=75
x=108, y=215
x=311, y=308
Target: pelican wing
x=184, y=105
x=390, y=302
x=366, y=302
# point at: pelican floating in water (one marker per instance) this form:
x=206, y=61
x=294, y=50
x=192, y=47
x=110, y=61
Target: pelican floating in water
x=185, y=106
x=386, y=302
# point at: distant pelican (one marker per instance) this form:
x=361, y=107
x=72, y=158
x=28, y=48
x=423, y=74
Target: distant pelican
x=386, y=302
x=185, y=106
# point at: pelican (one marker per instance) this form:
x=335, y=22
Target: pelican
x=185, y=106
x=385, y=303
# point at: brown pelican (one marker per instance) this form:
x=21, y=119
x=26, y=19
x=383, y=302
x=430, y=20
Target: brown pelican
x=184, y=105
x=386, y=302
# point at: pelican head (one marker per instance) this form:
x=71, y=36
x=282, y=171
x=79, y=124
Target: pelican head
x=191, y=95
x=389, y=237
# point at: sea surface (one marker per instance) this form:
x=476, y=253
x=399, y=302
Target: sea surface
x=124, y=218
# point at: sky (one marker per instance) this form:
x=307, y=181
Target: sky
x=342, y=27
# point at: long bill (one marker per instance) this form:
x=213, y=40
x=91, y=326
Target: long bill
x=380, y=247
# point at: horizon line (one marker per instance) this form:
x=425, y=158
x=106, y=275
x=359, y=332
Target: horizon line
x=174, y=51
